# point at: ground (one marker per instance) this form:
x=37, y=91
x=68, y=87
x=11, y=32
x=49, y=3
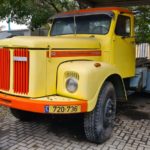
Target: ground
x=131, y=131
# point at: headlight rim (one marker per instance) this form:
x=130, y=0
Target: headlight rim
x=75, y=82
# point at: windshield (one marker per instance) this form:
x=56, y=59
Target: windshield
x=92, y=24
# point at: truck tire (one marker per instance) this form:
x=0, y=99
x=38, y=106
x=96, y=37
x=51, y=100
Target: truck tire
x=22, y=115
x=98, y=124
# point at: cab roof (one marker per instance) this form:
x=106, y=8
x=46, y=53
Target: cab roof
x=93, y=10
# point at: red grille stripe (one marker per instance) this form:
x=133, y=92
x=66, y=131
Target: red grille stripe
x=21, y=71
x=4, y=69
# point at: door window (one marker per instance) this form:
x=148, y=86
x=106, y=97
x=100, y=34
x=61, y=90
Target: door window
x=123, y=27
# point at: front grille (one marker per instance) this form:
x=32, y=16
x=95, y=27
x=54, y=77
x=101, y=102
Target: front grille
x=72, y=74
x=21, y=71
x=4, y=69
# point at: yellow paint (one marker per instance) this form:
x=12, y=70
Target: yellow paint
x=90, y=79
x=124, y=52
x=65, y=109
x=47, y=75
x=52, y=42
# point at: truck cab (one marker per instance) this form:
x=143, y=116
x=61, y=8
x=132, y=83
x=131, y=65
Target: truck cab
x=79, y=68
x=111, y=29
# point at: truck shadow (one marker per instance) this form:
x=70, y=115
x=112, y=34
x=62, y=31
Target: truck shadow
x=70, y=126
x=136, y=108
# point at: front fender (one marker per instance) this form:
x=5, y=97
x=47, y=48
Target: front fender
x=90, y=79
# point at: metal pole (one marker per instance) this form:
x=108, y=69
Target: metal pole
x=9, y=20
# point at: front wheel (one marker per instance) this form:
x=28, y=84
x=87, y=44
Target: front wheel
x=98, y=124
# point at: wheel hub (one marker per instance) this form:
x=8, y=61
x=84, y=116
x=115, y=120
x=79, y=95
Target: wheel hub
x=108, y=112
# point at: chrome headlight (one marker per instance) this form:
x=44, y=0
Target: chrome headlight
x=71, y=85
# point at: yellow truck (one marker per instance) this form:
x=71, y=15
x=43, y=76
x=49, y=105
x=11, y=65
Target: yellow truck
x=83, y=66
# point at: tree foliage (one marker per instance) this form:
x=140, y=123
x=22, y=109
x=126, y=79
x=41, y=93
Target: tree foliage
x=33, y=12
x=142, y=23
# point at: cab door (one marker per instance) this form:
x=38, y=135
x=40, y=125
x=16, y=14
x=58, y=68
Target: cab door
x=124, y=45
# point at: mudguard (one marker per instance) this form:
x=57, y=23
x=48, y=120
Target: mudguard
x=90, y=75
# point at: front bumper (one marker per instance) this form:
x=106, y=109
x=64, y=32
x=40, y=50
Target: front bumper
x=38, y=105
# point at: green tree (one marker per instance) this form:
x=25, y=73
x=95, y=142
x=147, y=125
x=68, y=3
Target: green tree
x=142, y=23
x=34, y=13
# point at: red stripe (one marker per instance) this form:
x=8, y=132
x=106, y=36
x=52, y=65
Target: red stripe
x=81, y=11
x=73, y=53
x=21, y=72
x=4, y=69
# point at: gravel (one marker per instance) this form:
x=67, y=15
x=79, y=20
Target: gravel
x=3, y=112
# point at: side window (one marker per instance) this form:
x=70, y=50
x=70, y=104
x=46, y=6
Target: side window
x=123, y=27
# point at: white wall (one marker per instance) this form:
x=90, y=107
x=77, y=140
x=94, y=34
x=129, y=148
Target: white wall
x=143, y=50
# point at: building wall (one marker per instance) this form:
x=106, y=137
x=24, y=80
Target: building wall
x=27, y=32
x=143, y=50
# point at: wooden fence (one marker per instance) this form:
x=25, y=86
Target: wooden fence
x=143, y=50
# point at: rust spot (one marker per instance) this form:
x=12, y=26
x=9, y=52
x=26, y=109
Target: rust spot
x=97, y=65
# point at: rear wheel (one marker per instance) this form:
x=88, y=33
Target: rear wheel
x=22, y=115
x=98, y=124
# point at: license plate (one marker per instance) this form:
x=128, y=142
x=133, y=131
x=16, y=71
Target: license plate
x=63, y=109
